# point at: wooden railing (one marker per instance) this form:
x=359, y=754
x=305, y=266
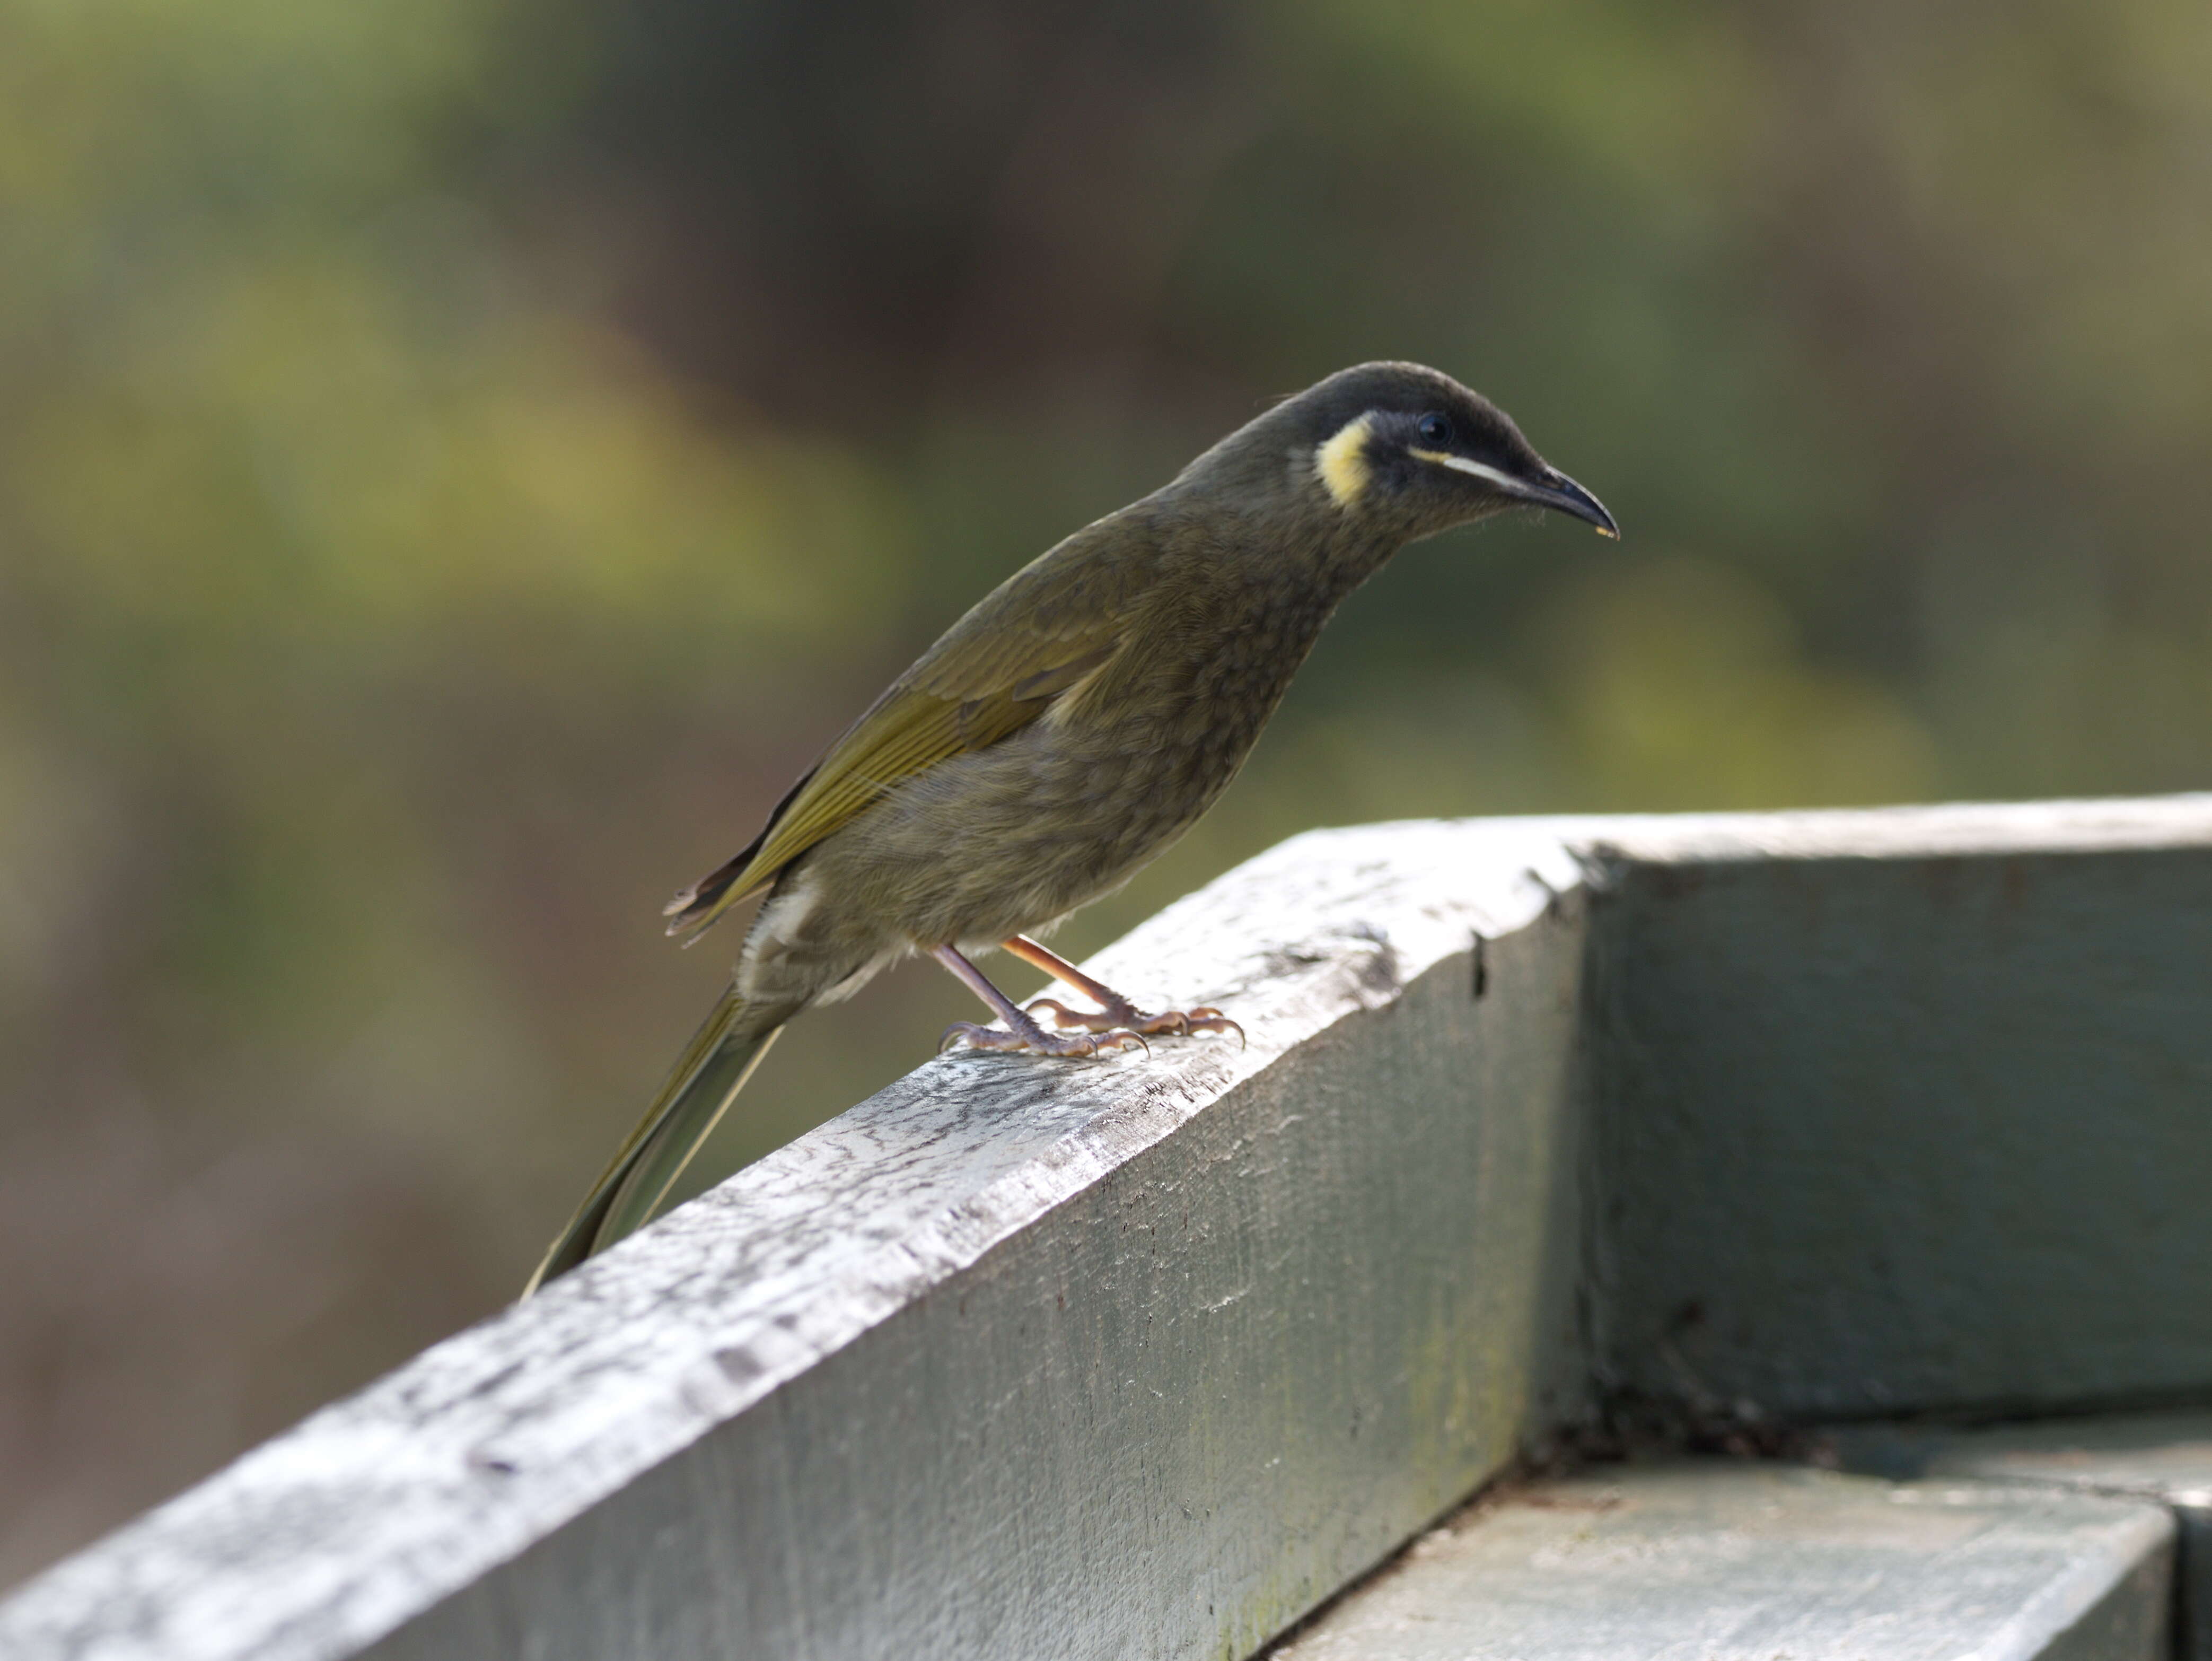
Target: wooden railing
x=1719, y=1124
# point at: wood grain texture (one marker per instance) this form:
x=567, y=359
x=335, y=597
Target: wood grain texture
x=2162, y=1457
x=1137, y=1358
x=1911, y=1114
x=1147, y=1357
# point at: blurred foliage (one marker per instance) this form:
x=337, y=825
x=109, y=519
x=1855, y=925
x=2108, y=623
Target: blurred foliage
x=458, y=459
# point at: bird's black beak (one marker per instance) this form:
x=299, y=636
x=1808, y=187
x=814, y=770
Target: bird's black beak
x=1557, y=491
x=1547, y=488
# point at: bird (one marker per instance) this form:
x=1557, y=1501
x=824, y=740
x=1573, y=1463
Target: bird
x=1068, y=728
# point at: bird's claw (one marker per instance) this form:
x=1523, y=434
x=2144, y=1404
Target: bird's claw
x=1039, y=1041
x=1207, y=1019
x=1182, y=1022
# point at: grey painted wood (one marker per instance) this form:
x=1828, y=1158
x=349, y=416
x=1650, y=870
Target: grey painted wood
x=1137, y=1358
x=1736, y=1562
x=1149, y=1355
x=2165, y=1458
x=1909, y=1114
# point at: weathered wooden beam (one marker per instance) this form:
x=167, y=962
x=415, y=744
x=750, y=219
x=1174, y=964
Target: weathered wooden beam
x=1724, y=1560
x=1909, y=1110
x=1834, y=1112
x=2162, y=1459
x=1139, y=1358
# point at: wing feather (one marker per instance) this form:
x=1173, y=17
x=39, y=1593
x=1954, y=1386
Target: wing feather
x=1036, y=637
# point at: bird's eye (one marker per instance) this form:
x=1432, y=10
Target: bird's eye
x=1435, y=430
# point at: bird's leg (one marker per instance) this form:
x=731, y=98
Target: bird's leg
x=1115, y=1011
x=1022, y=1032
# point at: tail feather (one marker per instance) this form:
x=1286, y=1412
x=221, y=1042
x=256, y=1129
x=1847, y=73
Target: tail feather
x=705, y=1080
x=695, y=910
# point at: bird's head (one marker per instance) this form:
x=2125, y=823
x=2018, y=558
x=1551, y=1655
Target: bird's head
x=1399, y=446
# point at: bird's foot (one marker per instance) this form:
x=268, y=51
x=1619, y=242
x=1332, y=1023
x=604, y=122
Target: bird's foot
x=1121, y=1016
x=1023, y=1036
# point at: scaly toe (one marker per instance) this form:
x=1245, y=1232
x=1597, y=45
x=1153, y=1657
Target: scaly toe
x=976, y=1036
x=1184, y=1022
x=1117, y=1023
x=1179, y=1022
x=1063, y=1016
x=1205, y=1018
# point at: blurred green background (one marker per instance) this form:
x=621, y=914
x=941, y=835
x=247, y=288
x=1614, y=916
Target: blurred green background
x=460, y=459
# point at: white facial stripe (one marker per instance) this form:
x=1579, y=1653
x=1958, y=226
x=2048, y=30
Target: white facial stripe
x=1504, y=481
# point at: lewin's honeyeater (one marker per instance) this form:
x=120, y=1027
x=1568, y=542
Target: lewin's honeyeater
x=1068, y=729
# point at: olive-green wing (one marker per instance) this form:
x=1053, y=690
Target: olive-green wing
x=1033, y=639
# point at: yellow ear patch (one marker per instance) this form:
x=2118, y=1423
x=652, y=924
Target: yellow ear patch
x=1341, y=463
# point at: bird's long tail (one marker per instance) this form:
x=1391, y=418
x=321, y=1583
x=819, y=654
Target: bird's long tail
x=705, y=1080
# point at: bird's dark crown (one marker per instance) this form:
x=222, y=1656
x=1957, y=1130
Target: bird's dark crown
x=1402, y=444
x=1396, y=449
x=1400, y=439
x=1408, y=390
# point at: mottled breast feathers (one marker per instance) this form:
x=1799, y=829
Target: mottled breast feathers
x=1029, y=642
